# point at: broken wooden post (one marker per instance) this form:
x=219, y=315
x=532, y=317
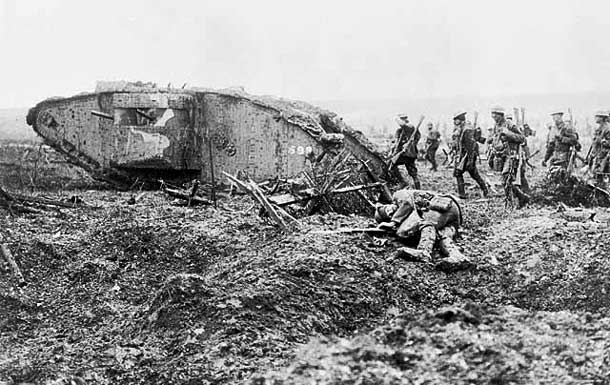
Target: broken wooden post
x=386, y=194
x=258, y=194
x=277, y=214
x=8, y=257
x=192, y=200
x=212, y=179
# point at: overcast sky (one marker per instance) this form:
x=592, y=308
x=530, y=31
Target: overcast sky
x=311, y=50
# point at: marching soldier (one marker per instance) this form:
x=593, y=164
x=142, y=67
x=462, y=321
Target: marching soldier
x=466, y=150
x=432, y=142
x=562, y=141
x=407, y=137
x=505, y=142
x=600, y=148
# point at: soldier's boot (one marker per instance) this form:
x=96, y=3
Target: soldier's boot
x=423, y=253
x=525, y=186
x=461, y=187
x=477, y=177
x=454, y=259
x=522, y=197
x=432, y=159
x=416, y=183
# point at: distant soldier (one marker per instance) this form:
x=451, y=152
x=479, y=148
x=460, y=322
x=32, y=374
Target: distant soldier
x=407, y=137
x=600, y=148
x=432, y=142
x=432, y=217
x=507, y=156
x=563, y=140
x=466, y=150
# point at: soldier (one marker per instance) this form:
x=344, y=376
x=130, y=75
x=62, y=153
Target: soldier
x=601, y=118
x=432, y=216
x=407, y=137
x=562, y=141
x=600, y=148
x=432, y=142
x=507, y=157
x=466, y=150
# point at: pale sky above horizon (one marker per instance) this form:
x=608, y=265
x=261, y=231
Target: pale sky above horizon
x=314, y=50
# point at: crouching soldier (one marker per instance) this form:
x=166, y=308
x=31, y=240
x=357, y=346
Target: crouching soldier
x=431, y=216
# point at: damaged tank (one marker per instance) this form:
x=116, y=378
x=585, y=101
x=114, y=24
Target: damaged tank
x=136, y=131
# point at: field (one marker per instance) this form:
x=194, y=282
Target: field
x=155, y=292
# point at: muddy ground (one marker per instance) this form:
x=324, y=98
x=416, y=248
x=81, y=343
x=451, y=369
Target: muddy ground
x=160, y=293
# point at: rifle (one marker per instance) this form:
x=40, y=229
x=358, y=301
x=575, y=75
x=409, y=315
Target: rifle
x=518, y=121
x=519, y=167
x=570, y=167
x=587, y=160
x=448, y=157
x=404, y=148
x=462, y=164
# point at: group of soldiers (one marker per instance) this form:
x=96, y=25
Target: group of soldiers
x=507, y=153
x=435, y=217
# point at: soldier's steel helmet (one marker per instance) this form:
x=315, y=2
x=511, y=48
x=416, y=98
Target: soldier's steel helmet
x=498, y=110
x=556, y=112
x=602, y=113
x=459, y=114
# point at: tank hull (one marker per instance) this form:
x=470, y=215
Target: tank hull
x=124, y=134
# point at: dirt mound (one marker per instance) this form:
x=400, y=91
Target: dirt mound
x=574, y=191
x=548, y=259
x=461, y=346
x=199, y=293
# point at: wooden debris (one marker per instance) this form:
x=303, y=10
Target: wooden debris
x=386, y=194
x=12, y=204
x=289, y=199
x=48, y=202
x=284, y=220
x=598, y=189
x=350, y=230
x=189, y=197
x=10, y=261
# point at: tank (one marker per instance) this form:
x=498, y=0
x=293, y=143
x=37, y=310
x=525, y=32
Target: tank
x=124, y=132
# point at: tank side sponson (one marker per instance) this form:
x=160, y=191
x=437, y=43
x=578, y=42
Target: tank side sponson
x=121, y=135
